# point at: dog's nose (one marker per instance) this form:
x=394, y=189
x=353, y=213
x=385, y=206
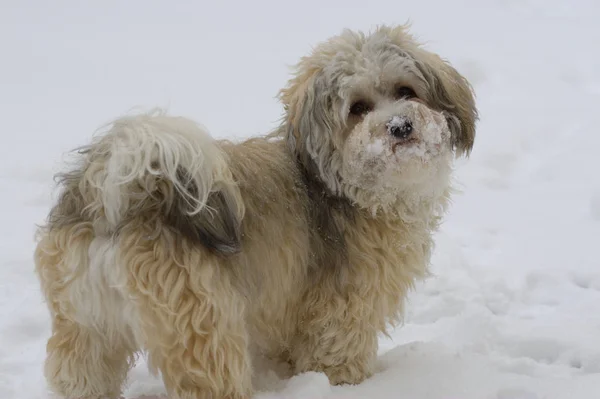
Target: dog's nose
x=400, y=127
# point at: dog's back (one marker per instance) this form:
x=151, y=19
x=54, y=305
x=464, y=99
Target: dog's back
x=137, y=232
x=157, y=216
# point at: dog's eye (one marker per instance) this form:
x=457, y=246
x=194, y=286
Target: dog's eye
x=405, y=92
x=360, y=108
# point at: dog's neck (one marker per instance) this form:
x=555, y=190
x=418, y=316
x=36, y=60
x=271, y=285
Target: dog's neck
x=326, y=213
x=320, y=194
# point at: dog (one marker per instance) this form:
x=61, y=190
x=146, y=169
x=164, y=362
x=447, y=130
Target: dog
x=300, y=245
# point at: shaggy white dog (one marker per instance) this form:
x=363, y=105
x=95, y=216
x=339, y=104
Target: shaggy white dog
x=301, y=244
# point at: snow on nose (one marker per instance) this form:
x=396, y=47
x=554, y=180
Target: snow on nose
x=400, y=127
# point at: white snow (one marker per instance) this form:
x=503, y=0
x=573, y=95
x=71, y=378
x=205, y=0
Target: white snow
x=512, y=310
x=376, y=147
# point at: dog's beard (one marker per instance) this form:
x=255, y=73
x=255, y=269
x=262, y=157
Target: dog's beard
x=379, y=168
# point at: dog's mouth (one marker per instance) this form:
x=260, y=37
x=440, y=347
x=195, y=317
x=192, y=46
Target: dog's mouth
x=404, y=142
x=415, y=147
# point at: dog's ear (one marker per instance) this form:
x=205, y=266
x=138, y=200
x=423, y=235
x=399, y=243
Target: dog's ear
x=448, y=90
x=310, y=121
x=453, y=94
x=293, y=97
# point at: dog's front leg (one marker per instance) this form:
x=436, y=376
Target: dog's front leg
x=336, y=335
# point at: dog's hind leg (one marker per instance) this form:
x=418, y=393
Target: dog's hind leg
x=81, y=361
x=191, y=316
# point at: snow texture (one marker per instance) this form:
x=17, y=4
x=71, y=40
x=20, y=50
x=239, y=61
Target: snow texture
x=511, y=310
x=430, y=128
x=376, y=147
x=397, y=121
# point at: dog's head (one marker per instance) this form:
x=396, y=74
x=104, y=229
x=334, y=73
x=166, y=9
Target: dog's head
x=376, y=116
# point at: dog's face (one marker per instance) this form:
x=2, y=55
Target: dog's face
x=376, y=116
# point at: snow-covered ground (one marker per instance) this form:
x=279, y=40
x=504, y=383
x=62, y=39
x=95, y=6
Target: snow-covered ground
x=513, y=308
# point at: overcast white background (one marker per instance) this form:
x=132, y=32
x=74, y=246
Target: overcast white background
x=512, y=310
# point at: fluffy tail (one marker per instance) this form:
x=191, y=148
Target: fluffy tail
x=154, y=165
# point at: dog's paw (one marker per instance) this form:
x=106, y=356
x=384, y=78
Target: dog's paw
x=351, y=374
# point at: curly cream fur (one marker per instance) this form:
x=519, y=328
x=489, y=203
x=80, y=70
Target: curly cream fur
x=301, y=245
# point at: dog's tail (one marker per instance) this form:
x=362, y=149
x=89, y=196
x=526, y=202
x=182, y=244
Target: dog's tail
x=157, y=166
